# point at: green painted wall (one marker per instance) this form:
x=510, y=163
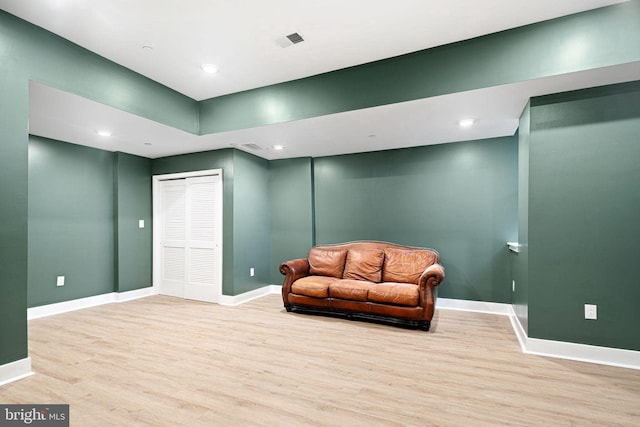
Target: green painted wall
x=251, y=231
x=84, y=207
x=31, y=53
x=290, y=185
x=71, y=216
x=219, y=159
x=13, y=212
x=520, y=260
x=584, y=200
x=583, y=41
x=460, y=199
x=133, y=202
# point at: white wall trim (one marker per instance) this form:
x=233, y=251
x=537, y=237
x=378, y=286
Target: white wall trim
x=559, y=349
x=14, y=371
x=584, y=353
x=72, y=305
x=478, y=306
x=135, y=294
x=572, y=351
x=80, y=303
x=521, y=334
x=115, y=297
x=248, y=296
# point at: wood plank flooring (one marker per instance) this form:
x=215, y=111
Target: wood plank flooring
x=162, y=361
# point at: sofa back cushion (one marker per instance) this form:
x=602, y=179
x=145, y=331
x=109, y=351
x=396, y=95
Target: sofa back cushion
x=326, y=262
x=405, y=266
x=364, y=264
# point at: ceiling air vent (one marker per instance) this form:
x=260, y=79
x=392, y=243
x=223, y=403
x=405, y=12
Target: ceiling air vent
x=295, y=38
x=252, y=146
x=289, y=40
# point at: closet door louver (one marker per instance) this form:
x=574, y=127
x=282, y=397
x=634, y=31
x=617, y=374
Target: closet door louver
x=203, y=237
x=191, y=238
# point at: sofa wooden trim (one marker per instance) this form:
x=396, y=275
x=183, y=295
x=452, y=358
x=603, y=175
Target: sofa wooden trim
x=419, y=316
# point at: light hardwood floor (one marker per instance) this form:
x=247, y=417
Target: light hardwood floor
x=162, y=361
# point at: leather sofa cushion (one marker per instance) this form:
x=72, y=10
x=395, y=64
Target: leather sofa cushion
x=354, y=290
x=394, y=293
x=405, y=266
x=313, y=286
x=325, y=262
x=364, y=265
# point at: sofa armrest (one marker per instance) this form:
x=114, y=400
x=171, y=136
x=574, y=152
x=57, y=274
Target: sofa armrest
x=429, y=280
x=295, y=269
x=432, y=276
x=292, y=271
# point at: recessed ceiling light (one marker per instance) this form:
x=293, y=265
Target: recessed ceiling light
x=278, y=147
x=102, y=132
x=209, y=68
x=465, y=123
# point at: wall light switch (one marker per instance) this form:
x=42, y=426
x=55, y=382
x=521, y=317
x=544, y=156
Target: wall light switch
x=252, y=272
x=60, y=281
x=513, y=286
x=141, y=223
x=591, y=311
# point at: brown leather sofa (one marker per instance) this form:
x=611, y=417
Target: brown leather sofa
x=366, y=280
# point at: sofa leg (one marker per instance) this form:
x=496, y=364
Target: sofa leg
x=288, y=307
x=424, y=325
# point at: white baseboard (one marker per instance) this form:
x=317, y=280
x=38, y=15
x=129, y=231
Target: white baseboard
x=232, y=300
x=80, y=303
x=66, y=306
x=521, y=334
x=14, y=371
x=573, y=351
x=558, y=349
x=479, y=306
x=135, y=294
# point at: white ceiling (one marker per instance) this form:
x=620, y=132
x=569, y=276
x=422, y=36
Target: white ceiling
x=241, y=38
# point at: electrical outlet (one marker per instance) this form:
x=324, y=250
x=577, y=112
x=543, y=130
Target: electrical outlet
x=513, y=286
x=591, y=311
x=252, y=272
x=60, y=281
x=141, y=223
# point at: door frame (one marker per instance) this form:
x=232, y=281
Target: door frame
x=157, y=220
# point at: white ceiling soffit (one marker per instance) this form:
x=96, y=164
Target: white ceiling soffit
x=59, y=115
x=168, y=41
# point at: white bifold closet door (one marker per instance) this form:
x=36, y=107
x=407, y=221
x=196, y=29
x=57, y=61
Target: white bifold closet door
x=191, y=238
